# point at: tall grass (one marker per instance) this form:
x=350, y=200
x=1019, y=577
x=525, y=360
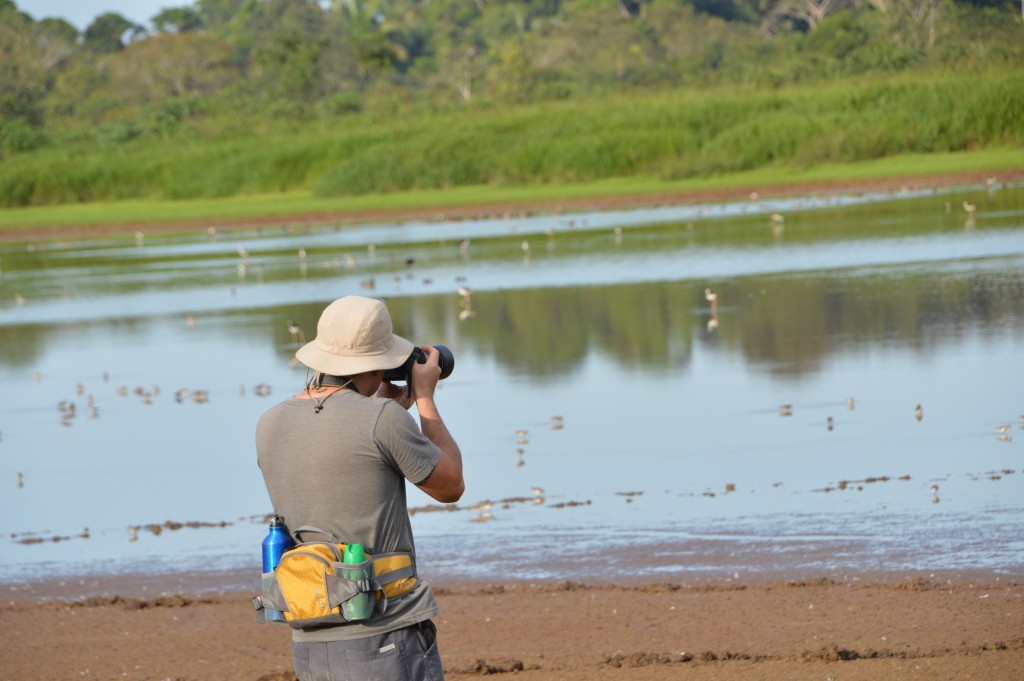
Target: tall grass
x=674, y=135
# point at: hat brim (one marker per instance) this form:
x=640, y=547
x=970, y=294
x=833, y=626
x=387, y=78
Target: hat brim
x=319, y=359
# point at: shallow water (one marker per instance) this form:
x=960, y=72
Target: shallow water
x=669, y=456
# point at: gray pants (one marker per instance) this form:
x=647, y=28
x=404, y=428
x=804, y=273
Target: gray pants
x=408, y=654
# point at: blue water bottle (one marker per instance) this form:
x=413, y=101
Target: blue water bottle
x=277, y=541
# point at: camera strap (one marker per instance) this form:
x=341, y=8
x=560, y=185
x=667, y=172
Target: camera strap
x=322, y=380
x=341, y=381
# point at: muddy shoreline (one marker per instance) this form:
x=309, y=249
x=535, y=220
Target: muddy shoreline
x=448, y=212
x=914, y=628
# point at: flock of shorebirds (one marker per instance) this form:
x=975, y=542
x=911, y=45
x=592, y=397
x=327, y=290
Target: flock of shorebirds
x=484, y=508
x=246, y=264
x=68, y=409
x=1002, y=430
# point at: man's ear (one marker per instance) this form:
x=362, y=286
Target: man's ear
x=369, y=381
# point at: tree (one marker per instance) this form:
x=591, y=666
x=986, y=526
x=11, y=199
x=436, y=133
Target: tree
x=807, y=12
x=106, y=33
x=169, y=66
x=59, y=29
x=177, y=20
x=30, y=54
x=217, y=14
x=914, y=22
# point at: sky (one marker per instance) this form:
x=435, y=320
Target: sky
x=81, y=13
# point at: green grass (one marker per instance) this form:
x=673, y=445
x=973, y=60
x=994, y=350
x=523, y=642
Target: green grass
x=678, y=141
x=133, y=213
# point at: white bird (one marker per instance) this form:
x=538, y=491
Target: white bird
x=970, y=207
x=710, y=296
x=467, y=303
x=296, y=331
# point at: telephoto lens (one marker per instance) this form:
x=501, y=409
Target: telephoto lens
x=446, y=361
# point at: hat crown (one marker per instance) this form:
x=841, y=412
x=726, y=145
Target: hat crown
x=355, y=326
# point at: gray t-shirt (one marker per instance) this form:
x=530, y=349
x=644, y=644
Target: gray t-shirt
x=343, y=471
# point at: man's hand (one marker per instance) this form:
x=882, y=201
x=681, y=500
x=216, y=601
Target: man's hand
x=425, y=376
x=397, y=393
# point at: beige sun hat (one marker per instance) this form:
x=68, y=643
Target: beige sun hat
x=354, y=335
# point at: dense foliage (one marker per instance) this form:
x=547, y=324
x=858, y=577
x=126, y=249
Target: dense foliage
x=348, y=96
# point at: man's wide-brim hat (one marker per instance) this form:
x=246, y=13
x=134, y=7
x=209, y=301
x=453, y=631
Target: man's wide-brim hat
x=354, y=335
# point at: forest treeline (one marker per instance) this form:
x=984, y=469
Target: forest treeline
x=221, y=97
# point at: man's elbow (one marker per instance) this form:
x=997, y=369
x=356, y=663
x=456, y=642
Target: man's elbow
x=453, y=493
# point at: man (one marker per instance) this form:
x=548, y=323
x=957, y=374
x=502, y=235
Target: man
x=336, y=457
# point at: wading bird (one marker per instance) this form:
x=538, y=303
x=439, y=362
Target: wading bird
x=298, y=335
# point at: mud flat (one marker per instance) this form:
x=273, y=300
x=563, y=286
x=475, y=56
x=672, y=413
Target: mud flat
x=918, y=628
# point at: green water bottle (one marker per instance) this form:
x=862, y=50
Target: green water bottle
x=359, y=606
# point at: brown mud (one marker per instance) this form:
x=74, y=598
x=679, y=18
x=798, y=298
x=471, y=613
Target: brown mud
x=920, y=628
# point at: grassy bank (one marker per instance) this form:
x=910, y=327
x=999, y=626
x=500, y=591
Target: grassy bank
x=303, y=204
x=663, y=142
x=683, y=134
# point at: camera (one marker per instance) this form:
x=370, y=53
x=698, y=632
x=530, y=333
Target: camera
x=404, y=372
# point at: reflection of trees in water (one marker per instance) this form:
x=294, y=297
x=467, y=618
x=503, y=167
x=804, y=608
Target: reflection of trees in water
x=796, y=323
x=23, y=345
x=547, y=332
x=788, y=325
x=785, y=324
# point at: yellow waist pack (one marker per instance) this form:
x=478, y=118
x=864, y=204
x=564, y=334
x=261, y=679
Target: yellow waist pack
x=313, y=586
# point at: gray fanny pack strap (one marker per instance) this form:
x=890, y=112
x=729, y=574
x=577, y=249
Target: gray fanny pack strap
x=271, y=599
x=297, y=534
x=340, y=589
x=395, y=575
